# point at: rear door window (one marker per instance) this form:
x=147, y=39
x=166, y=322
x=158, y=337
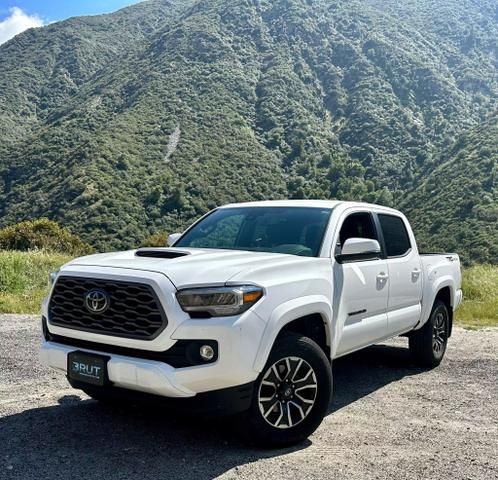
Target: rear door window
x=395, y=235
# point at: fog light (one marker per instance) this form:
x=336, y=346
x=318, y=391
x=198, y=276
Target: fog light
x=206, y=352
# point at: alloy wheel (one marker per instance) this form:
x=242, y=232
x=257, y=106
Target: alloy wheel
x=287, y=392
x=439, y=334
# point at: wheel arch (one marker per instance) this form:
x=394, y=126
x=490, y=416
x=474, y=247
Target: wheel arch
x=310, y=316
x=444, y=290
x=312, y=326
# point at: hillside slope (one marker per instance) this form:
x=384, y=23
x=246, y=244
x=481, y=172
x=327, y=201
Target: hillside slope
x=173, y=107
x=43, y=67
x=456, y=206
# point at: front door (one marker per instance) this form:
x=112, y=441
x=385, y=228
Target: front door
x=360, y=290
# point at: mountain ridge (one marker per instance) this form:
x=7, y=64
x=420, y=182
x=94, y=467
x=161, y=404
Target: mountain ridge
x=354, y=100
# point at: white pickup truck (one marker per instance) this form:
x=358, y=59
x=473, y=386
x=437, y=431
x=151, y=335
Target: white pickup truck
x=247, y=309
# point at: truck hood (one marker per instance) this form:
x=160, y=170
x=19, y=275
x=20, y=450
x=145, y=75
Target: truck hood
x=196, y=267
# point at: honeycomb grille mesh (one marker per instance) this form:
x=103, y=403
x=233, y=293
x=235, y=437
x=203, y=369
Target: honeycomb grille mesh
x=134, y=310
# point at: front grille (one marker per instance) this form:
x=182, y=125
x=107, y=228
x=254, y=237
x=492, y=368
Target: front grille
x=133, y=309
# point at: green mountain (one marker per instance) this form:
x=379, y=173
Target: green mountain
x=455, y=208
x=141, y=120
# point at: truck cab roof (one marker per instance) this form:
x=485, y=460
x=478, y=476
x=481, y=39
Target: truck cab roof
x=312, y=204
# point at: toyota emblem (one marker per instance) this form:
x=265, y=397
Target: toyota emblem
x=96, y=301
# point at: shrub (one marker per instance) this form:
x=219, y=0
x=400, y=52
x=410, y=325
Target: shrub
x=42, y=234
x=158, y=239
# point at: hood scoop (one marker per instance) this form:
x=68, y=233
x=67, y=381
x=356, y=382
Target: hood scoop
x=160, y=253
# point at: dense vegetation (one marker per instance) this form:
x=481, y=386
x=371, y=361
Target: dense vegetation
x=42, y=234
x=24, y=282
x=455, y=208
x=123, y=125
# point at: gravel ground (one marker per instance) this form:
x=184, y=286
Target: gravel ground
x=388, y=419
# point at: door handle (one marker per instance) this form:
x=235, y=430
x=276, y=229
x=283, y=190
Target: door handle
x=382, y=276
x=416, y=273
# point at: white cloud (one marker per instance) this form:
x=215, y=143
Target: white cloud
x=17, y=22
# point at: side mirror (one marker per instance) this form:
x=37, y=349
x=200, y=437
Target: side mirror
x=358, y=249
x=173, y=238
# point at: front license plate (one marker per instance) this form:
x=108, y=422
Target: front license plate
x=87, y=367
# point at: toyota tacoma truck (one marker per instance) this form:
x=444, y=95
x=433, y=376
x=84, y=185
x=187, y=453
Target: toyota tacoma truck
x=247, y=309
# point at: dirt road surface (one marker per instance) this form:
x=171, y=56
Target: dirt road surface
x=388, y=420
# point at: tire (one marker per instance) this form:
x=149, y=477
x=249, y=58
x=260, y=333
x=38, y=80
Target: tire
x=428, y=345
x=293, y=392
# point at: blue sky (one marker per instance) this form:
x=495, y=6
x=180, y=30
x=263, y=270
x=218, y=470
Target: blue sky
x=17, y=15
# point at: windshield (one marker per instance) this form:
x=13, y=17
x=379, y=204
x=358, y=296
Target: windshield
x=292, y=230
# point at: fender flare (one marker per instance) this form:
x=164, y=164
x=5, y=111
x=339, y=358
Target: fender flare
x=443, y=282
x=286, y=313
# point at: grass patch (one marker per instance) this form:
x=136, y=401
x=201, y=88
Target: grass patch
x=23, y=279
x=480, y=292
x=23, y=284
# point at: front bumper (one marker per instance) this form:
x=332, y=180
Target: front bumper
x=126, y=372
x=233, y=367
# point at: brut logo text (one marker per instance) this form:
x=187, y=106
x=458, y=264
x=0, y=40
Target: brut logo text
x=86, y=370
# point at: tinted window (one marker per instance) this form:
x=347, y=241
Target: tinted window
x=224, y=235
x=357, y=225
x=292, y=230
x=395, y=235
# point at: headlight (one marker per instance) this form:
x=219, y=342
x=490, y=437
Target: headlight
x=219, y=301
x=52, y=276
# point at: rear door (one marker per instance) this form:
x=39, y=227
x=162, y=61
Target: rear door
x=405, y=273
x=360, y=289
